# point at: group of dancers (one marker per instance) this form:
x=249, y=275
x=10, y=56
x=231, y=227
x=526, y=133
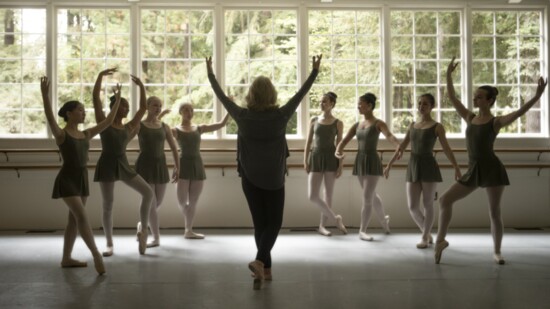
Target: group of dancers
x=261, y=155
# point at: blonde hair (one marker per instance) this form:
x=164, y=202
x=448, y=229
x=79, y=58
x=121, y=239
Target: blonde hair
x=262, y=95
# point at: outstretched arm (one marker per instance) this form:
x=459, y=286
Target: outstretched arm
x=511, y=117
x=110, y=118
x=57, y=132
x=459, y=107
x=440, y=131
x=340, y=147
x=290, y=107
x=214, y=126
x=96, y=95
x=134, y=123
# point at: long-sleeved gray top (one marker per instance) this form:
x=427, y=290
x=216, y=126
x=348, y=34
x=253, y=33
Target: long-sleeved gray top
x=261, y=138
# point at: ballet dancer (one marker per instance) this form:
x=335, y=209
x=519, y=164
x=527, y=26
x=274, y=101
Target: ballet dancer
x=368, y=167
x=71, y=183
x=151, y=162
x=325, y=131
x=191, y=177
x=113, y=165
x=484, y=168
x=422, y=171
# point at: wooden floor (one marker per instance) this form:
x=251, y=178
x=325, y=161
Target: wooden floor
x=309, y=270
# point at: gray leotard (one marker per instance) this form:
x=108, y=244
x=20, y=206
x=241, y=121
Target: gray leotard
x=484, y=167
x=113, y=164
x=151, y=162
x=322, y=159
x=367, y=161
x=191, y=166
x=422, y=165
x=72, y=179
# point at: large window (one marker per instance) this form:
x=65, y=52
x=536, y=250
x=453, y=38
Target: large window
x=22, y=62
x=174, y=44
x=422, y=44
x=395, y=52
x=89, y=41
x=261, y=43
x=350, y=42
x=507, y=52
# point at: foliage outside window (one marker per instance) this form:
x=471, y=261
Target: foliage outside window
x=507, y=52
x=261, y=42
x=22, y=62
x=89, y=41
x=350, y=42
x=174, y=44
x=422, y=45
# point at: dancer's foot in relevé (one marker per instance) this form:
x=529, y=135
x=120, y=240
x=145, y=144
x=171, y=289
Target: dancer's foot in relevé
x=497, y=257
x=340, y=224
x=98, y=264
x=257, y=268
x=386, y=224
x=439, y=247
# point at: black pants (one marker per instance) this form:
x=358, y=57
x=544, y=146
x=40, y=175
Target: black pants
x=266, y=207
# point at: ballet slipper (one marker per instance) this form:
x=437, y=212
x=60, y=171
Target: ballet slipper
x=430, y=239
x=98, y=263
x=138, y=228
x=154, y=243
x=340, y=224
x=365, y=236
x=323, y=231
x=387, y=224
x=109, y=251
x=257, y=267
x=267, y=274
x=497, y=257
x=69, y=263
x=193, y=235
x=423, y=244
x=142, y=236
x=439, y=247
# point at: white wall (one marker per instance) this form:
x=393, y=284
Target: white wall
x=26, y=201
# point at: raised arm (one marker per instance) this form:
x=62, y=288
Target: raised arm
x=440, y=132
x=214, y=126
x=102, y=125
x=96, y=95
x=307, y=147
x=134, y=123
x=174, y=149
x=164, y=113
x=349, y=136
x=290, y=107
x=459, y=107
x=511, y=117
x=57, y=132
x=232, y=108
x=398, y=152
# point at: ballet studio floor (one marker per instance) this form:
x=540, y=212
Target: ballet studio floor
x=309, y=271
